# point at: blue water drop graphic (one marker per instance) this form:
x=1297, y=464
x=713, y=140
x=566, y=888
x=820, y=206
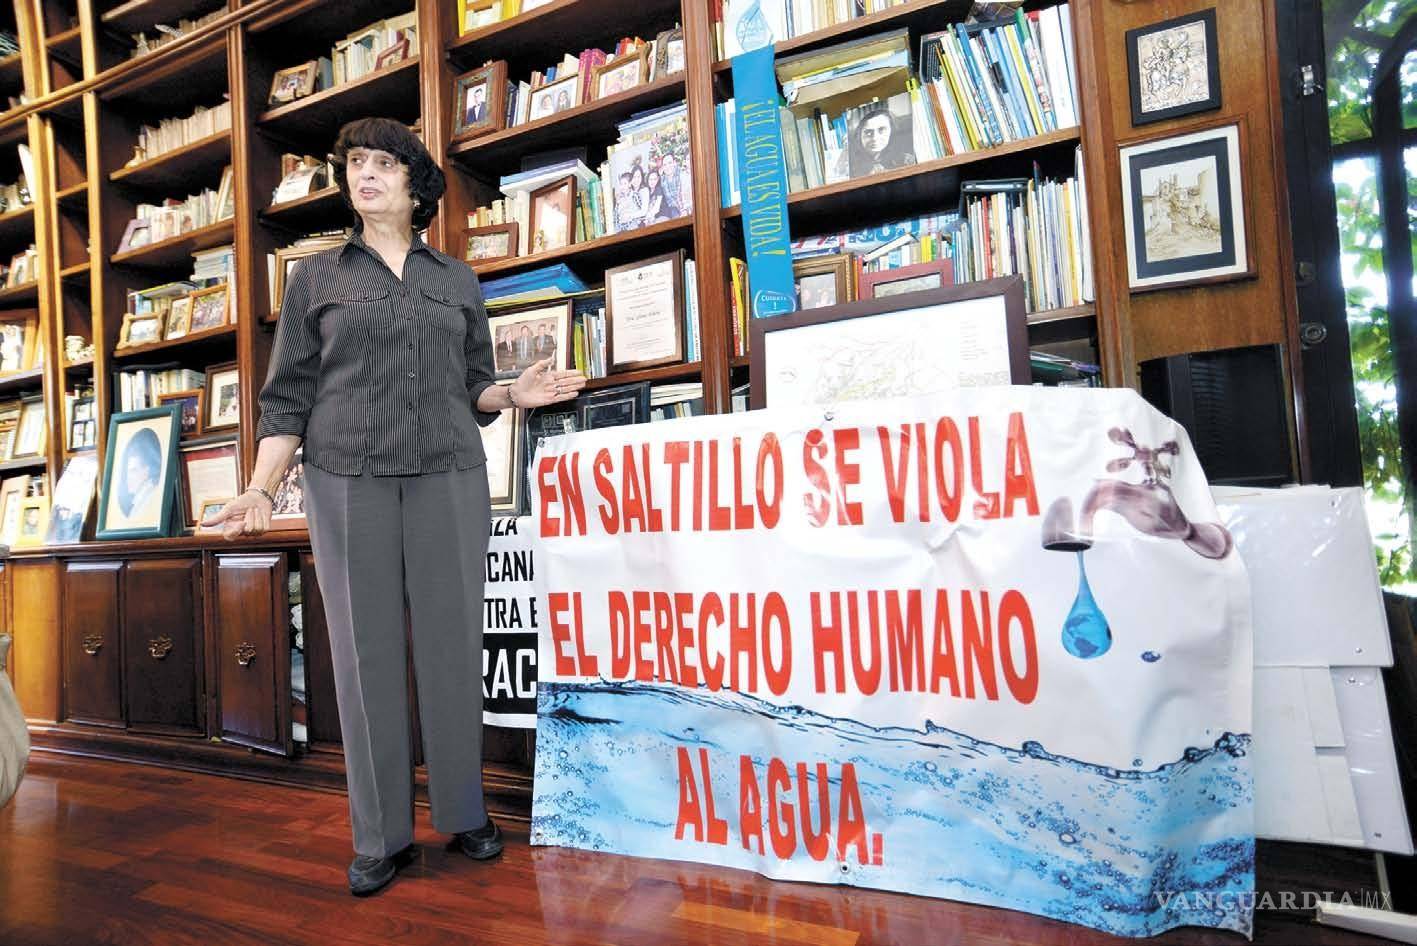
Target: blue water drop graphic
x=1085, y=632
x=1136, y=763
x=1067, y=838
x=1150, y=656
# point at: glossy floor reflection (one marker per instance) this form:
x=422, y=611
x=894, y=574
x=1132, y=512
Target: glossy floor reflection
x=108, y=852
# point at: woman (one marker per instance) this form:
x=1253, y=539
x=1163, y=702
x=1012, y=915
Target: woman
x=655, y=211
x=383, y=367
x=878, y=144
x=142, y=471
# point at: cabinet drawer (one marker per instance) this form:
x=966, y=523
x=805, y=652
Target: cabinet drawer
x=252, y=640
x=93, y=659
x=162, y=633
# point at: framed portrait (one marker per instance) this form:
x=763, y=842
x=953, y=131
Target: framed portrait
x=491, y=243
x=208, y=507
x=12, y=493
x=881, y=138
x=396, y=53
x=140, y=330
x=913, y=278
x=1173, y=67
x=18, y=341
x=824, y=280
x=72, y=500
x=293, y=83
x=539, y=424
x=620, y=74
x=190, y=403
x=208, y=470
x=614, y=407
x=644, y=313
x=555, y=97
x=480, y=101
x=34, y=522
x=223, y=394
x=179, y=318
x=501, y=440
x=522, y=338
x=669, y=52
x=139, y=474
x=1183, y=209
x=209, y=307
x=971, y=335
x=553, y=216
x=288, y=509
x=31, y=429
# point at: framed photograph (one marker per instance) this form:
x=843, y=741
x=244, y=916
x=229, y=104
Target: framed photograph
x=644, y=313
x=480, y=101
x=1173, y=67
x=539, y=424
x=34, y=521
x=83, y=428
x=1183, y=209
x=18, y=342
x=31, y=429
x=501, y=440
x=72, y=500
x=19, y=270
x=12, y=493
x=614, y=407
x=223, y=394
x=824, y=280
x=881, y=138
x=206, y=508
x=913, y=278
x=209, y=307
x=652, y=178
x=522, y=338
x=553, y=216
x=555, y=97
x=669, y=52
x=396, y=53
x=488, y=244
x=179, y=318
x=620, y=74
x=139, y=473
x=191, y=403
x=288, y=510
x=140, y=330
x=7, y=441
x=293, y=83
x=971, y=335
x=208, y=470
x=479, y=13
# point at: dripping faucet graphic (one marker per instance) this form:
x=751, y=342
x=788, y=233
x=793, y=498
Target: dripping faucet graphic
x=1152, y=510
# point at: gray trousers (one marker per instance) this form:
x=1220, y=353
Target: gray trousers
x=381, y=541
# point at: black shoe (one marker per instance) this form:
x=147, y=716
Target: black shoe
x=483, y=844
x=369, y=874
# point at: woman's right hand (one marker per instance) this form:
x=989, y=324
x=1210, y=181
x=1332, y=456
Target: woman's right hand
x=247, y=514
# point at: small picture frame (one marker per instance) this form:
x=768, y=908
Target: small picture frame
x=72, y=500
x=137, y=234
x=208, y=469
x=553, y=216
x=491, y=243
x=140, y=330
x=83, y=431
x=179, y=318
x=555, y=97
x=1183, y=208
x=501, y=441
x=620, y=74
x=288, y=509
x=614, y=407
x=480, y=101
x=479, y=13
x=223, y=394
x=826, y=280
x=644, y=313
x=209, y=307
x=293, y=83
x=393, y=55
x=19, y=342
x=1173, y=67
x=669, y=52
x=191, y=404
x=286, y=258
x=916, y=277
x=31, y=430
x=7, y=441
x=140, y=464
x=539, y=424
x=526, y=336
x=34, y=522
x=208, y=507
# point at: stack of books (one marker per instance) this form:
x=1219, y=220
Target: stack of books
x=669, y=401
x=152, y=223
x=523, y=105
x=9, y=43
x=588, y=335
x=140, y=388
x=173, y=133
x=547, y=282
x=215, y=265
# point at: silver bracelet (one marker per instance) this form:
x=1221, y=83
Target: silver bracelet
x=260, y=489
x=512, y=398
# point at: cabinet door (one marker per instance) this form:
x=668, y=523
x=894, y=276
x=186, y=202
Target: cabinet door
x=162, y=645
x=93, y=658
x=252, y=640
x=321, y=707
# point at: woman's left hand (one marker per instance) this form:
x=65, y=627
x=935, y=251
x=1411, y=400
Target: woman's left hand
x=542, y=384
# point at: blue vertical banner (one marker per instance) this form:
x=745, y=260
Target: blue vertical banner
x=762, y=181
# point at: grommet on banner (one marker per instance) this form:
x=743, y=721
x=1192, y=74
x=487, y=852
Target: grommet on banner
x=828, y=415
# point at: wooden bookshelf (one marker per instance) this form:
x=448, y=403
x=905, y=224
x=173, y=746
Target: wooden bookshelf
x=12, y=69
x=685, y=371
x=162, y=83
x=224, y=333
x=17, y=224
x=15, y=381
x=22, y=465
x=202, y=159
x=77, y=271
x=25, y=293
x=176, y=250
x=610, y=249
x=557, y=25
x=318, y=117
x=1070, y=314
x=306, y=213
x=67, y=46
x=82, y=366
x=73, y=197
x=141, y=15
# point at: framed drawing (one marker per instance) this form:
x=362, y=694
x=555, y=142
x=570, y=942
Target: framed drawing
x=73, y=498
x=903, y=279
x=620, y=74
x=824, y=280
x=139, y=330
x=614, y=407
x=491, y=243
x=970, y=335
x=501, y=440
x=555, y=97
x=644, y=313
x=293, y=83
x=190, y=403
x=1183, y=209
x=139, y=473
x=1173, y=67
x=552, y=217
x=209, y=307
x=480, y=101
x=522, y=338
x=209, y=470
x=223, y=409
x=288, y=510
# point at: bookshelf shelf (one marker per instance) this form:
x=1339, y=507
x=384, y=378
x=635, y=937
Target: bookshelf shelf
x=392, y=91
x=77, y=272
x=557, y=25
x=26, y=293
x=22, y=465
x=591, y=121
x=740, y=361
x=74, y=197
x=67, y=46
x=166, y=81
x=600, y=252
x=200, y=160
x=1078, y=313
x=137, y=15
x=17, y=224
x=82, y=366
x=12, y=131
x=306, y=213
x=221, y=333
x=176, y=250
x=14, y=381
x=11, y=69
x=684, y=371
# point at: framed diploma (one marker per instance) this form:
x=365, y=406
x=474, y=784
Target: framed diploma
x=644, y=309
x=209, y=471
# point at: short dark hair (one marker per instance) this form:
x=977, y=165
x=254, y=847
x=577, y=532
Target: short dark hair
x=425, y=179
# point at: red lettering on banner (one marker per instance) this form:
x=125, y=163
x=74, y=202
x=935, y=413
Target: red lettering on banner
x=846, y=440
x=780, y=824
x=784, y=818
x=778, y=673
x=717, y=828
x=950, y=490
x=653, y=513
x=814, y=449
x=979, y=647
x=609, y=510
x=986, y=504
x=742, y=644
x=868, y=676
x=826, y=642
x=630, y=499
x=816, y=842
x=770, y=451
x=641, y=635
x=619, y=610
x=1018, y=470
x=585, y=664
x=851, y=820
x=683, y=609
x=897, y=469
x=698, y=485
x=942, y=660
x=545, y=478
x=742, y=512
x=667, y=667
x=676, y=454
x=922, y=472
x=1013, y=608
x=690, y=814
x=719, y=515
x=711, y=611
x=906, y=641
x=750, y=805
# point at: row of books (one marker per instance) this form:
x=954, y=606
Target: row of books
x=152, y=223
x=140, y=388
x=358, y=54
x=9, y=43
x=558, y=224
x=164, y=34
x=588, y=347
x=173, y=133
x=787, y=18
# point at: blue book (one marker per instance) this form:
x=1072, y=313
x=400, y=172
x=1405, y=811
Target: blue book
x=556, y=277
x=992, y=121
x=1002, y=87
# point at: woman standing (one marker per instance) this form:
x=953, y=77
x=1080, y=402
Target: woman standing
x=383, y=366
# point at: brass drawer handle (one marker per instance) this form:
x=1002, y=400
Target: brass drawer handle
x=160, y=647
x=92, y=643
x=245, y=653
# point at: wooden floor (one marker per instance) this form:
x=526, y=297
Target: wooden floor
x=108, y=852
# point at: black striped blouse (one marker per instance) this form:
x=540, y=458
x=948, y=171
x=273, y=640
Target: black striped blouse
x=379, y=373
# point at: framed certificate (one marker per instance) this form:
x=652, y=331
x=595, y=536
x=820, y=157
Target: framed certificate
x=644, y=313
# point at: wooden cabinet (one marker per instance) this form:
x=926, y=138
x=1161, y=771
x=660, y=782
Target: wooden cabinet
x=251, y=637
x=321, y=707
x=92, y=645
x=162, y=645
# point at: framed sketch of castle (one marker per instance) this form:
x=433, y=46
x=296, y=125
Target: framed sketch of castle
x=1173, y=67
x=1184, y=208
